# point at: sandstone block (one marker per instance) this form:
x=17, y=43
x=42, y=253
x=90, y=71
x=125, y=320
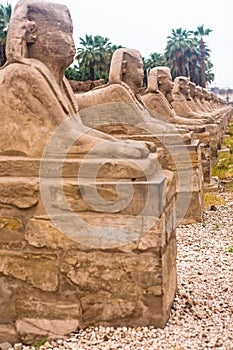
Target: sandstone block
x=20, y=193
x=8, y=334
x=32, y=330
x=42, y=309
x=120, y=274
x=11, y=230
x=39, y=270
x=40, y=232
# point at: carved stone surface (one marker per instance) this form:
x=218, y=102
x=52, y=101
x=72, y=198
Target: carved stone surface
x=117, y=107
x=86, y=220
x=158, y=98
x=39, y=270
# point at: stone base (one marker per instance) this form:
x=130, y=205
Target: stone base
x=213, y=186
x=113, y=269
x=185, y=159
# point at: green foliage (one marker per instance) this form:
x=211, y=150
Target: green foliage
x=217, y=225
x=39, y=343
x=177, y=51
x=187, y=54
x=224, y=167
x=74, y=73
x=5, y=13
x=231, y=249
x=94, y=56
x=184, y=55
x=155, y=59
x=212, y=199
x=229, y=186
x=201, y=31
x=228, y=141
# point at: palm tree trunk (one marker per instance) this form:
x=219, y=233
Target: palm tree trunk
x=193, y=71
x=202, y=50
x=181, y=66
x=2, y=54
x=92, y=72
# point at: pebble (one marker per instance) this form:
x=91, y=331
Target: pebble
x=5, y=346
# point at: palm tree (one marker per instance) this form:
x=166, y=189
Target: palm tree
x=94, y=54
x=155, y=59
x=209, y=74
x=177, y=51
x=5, y=13
x=199, y=33
x=193, y=57
x=74, y=73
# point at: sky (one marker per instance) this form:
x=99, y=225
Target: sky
x=145, y=25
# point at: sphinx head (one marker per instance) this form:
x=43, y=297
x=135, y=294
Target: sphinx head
x=192, y=89
x=127, y=66
x=40, y=30
x=181, y=84
x=160, y=79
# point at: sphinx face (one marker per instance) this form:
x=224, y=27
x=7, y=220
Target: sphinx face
x=184, y=88
x=167, y=83
x=54, y=35
x=134, y=72
x=192, y=90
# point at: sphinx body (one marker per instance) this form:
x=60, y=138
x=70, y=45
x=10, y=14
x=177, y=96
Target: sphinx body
x=117, y=107
x=195, y=104
x=181, y=97
x=66, y=214
x=32, y=107
x=158, y=98
x=36, y=98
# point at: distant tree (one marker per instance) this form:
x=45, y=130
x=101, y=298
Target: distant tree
x=103, y=72
x=5, y=13
x=94, y=55
x=193, y=59
x=155, y=59
x=177, y=51
x=208, y=72
x=199, y=34
x=187, y=54
x=74, y=73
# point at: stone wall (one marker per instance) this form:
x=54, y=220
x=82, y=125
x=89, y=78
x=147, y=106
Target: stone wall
x=51, y=284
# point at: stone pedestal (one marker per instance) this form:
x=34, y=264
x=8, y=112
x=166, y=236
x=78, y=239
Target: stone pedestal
x=206, y=155
x=67, y=263
x=183, y=156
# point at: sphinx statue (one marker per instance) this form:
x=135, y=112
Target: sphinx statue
x=181, y=96
x=158, y=98
x=207, y=99
x=197, y=96
x=60, y=223
x=35, y=96
x=117, y=107
x=209, y=103
x=181, y=99
x=193, y=102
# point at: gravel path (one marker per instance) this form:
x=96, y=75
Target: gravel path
x=202, y=314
